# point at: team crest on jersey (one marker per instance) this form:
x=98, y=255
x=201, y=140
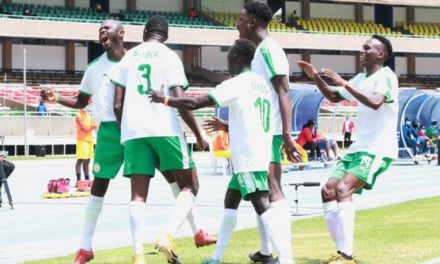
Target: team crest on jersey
x=96, y=167
x=366, y=162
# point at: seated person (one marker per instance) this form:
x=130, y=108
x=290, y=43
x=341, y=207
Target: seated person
x=428, y=142
x=421, y=141
x=326, y=144
x=6, y=168
x=409, y=136
x=432, y=133
x=306, y=140
x=193, y=12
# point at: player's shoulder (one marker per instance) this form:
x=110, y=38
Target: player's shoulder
x=269, y=44
x=96, y=62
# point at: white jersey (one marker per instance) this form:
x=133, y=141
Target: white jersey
x=96, y=83
x=270, y=61
x=149, y=66
x=376, y=131
x=250, y=129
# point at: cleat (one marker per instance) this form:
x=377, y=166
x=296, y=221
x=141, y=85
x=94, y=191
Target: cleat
x=211, y=261
x=343, y=260
x=167, y=246
x=139, y=259
x=257, y=257
x=83, y=256
x=202, y=238
x=333, y=257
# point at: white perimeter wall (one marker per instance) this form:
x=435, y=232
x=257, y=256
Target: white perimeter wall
x=80, y=58
x=213, y=58
x=426, y=65
x=46, y=57
x=401, y=65
x=338, y=63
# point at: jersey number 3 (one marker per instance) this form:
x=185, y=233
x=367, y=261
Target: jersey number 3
x=263, y=106
x=145, y=70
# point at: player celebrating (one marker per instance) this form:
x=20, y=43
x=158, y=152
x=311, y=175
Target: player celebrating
x=109, y=154
x=148, y=143
x=271, y=63
x=376, y=91
x=248, y=97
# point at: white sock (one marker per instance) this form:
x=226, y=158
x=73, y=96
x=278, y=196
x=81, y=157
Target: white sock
x=136, y=211
x=191, y=217
x=282, y=210
x=265, y=247
x=330, y=216
x=93, y=210
x=346, y=226
x=229, y=222
x=278, y=235
x=183, y=204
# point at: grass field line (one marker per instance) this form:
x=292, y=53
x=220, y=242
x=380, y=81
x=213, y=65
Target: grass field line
x=433, y=261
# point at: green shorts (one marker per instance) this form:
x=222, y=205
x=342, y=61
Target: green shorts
x=277, y=142
x=109, y=153
x=249, y=182
x=364, y=166
x=142, y=155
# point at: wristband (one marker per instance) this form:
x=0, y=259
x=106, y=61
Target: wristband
x=57, y=98
x=165, y=101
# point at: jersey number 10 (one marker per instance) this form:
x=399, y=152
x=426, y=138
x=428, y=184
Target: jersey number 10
x=264, y=107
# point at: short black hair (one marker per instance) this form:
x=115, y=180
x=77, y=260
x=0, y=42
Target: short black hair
x=260, y=10
x=386, y=43
x=157, y=24
x=245, y=50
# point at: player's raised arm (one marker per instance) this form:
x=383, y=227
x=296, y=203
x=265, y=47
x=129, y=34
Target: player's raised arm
x=78, y=101
x=188, y=117
x=184, y=103
x=372, y=100
x=330, y=92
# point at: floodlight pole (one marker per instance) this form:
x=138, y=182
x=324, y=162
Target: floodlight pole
x=26, y=146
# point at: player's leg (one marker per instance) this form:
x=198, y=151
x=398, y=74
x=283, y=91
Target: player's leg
x=140, y=160
x=229, y=222
x=86, y=170
x=108, y=160
x=278, y=203
x=346, y=213
x=78, y=165
x=201, y=237
x=274, y=228
x=174, y=156
x=361, y=172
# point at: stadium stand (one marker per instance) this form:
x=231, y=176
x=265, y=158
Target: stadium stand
x=345, y=26
x=425, y=30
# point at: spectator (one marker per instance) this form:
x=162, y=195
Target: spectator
x=84, y=143
x=293, y=19
x=26, y=11
x=42, y=109
x=326, y=144
x=98, y=8
x=432, y=133
x=427, y=142
x=421, y=141
x=410, y=136
x=306, y=140
x=193, y=13
x=6, y=168
x=347, y=130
